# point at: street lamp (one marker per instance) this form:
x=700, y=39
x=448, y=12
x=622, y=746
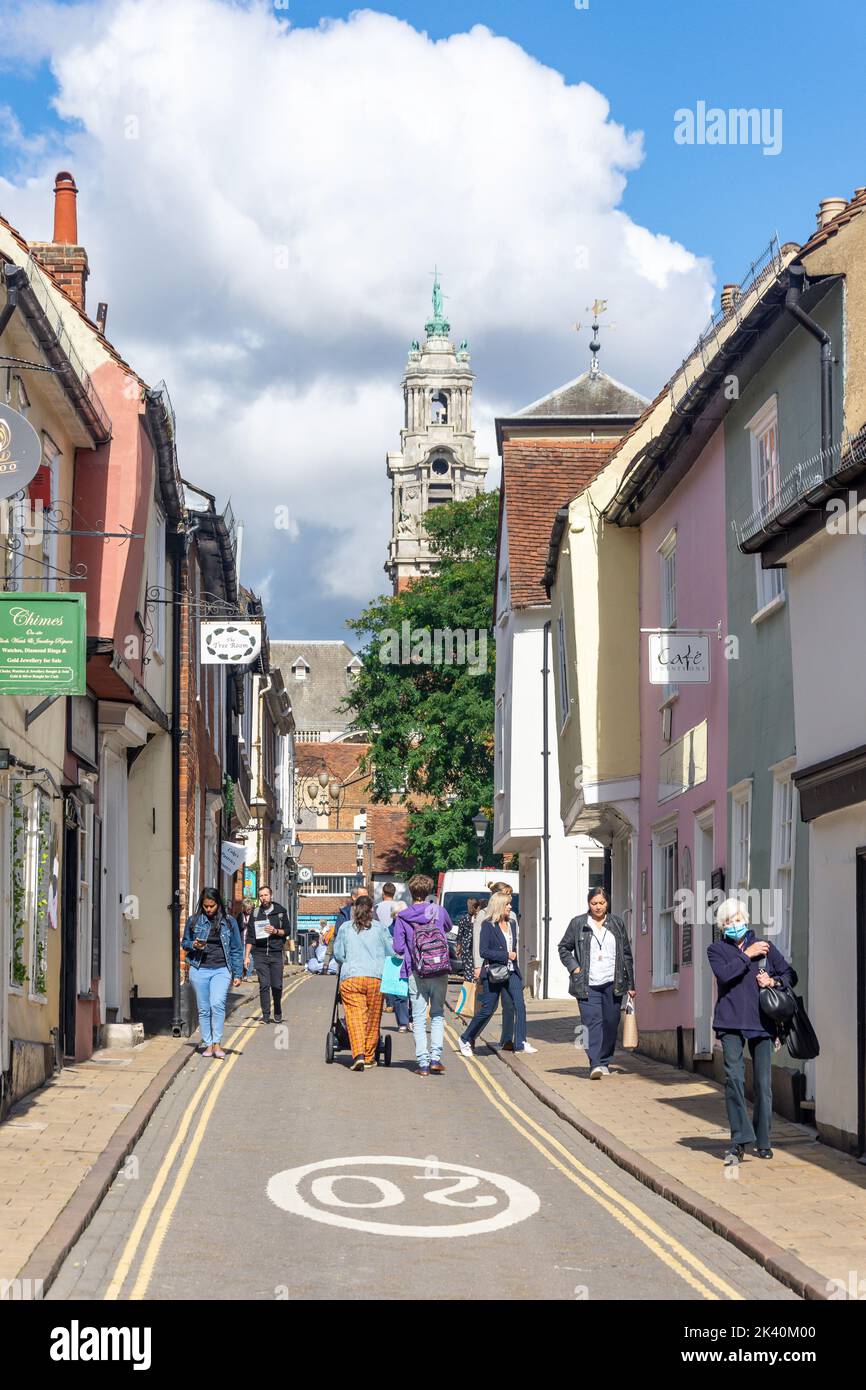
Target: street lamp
x=481, y=824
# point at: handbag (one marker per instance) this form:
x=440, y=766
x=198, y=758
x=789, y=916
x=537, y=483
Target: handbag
x=498, y=974
x=776, y=1003
x=629, y=1024
x=466, y=1002
x=800, y=1037
x=391, y=982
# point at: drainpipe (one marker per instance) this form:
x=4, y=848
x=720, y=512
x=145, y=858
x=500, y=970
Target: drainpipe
x=176, y=735
x=797, y=276
x=545, y=843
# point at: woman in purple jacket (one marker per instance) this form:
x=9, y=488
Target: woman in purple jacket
x=743, y=966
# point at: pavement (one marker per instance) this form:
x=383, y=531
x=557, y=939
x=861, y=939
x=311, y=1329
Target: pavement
x=273, y=1176
x=802, y=1214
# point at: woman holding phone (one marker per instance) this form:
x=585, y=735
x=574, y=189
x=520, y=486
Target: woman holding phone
x=212, y=942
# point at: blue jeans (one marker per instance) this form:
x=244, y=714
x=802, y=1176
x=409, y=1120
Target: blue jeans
x=600, y=1016
x=401, y=1009
x=211, y=990
x=491, y=994
x=423, y=994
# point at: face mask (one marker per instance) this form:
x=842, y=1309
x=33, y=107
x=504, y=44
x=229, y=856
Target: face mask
x=736, y=933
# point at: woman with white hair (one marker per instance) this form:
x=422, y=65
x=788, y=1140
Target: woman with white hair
x=743, y=966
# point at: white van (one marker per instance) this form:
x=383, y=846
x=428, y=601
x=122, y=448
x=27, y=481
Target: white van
x=456, y=886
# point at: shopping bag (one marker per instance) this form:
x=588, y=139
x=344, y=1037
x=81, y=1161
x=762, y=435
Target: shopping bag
x=629, y=1025
x=466, y=1002
x=391, y=982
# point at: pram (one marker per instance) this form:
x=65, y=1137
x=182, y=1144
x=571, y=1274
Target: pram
x=338, y=1036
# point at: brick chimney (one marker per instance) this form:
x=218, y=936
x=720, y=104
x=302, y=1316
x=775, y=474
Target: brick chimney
x=62, y=257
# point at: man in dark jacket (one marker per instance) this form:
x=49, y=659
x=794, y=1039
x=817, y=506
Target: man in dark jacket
x=596, y=952
x=265, y=942
x=743, y=966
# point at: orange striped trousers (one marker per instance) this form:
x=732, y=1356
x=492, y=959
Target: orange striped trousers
x=362, y=1000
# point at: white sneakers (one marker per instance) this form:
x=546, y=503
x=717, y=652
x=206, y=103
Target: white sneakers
x=598, y=1072
x=527, y=1047
x=465, y=1048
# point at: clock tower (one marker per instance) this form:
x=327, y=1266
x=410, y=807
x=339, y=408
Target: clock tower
x=437, y=461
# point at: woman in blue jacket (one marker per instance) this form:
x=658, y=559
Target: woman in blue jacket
x=743, y=966
x=497, y=947
x=212, y=942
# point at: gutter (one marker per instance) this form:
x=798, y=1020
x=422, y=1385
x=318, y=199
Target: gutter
x=559, y=524
x=88, y=406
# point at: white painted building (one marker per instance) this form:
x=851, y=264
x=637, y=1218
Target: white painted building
x=550, y=451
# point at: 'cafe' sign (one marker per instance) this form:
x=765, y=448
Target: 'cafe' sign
x=679, y=658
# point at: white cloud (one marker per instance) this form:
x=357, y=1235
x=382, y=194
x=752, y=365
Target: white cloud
x=265, y=242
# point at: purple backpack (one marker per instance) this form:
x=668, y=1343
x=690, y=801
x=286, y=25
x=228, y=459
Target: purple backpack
x=430, y=948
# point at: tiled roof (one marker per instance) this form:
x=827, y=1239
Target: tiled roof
x=539, y=477
x=588, y=395
x=848, y=213
x=386, y=827
x=316, y=700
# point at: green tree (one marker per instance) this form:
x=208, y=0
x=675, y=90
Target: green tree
x=430, y=719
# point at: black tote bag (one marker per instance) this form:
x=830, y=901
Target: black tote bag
x=800, y=1037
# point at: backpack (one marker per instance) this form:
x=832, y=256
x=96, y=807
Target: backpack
x=430, y=954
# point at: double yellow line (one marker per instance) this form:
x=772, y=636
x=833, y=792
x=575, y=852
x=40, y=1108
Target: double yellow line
x=213, y=1080
x=663, y=1245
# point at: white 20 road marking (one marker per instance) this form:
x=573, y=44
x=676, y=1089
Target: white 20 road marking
x=284, y=1191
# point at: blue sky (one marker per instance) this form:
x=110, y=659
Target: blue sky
x=325, y=150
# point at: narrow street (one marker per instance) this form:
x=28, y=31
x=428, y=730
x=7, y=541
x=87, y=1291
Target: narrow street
x=275, y=1176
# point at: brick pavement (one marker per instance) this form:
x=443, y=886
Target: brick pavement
x=809, y=1199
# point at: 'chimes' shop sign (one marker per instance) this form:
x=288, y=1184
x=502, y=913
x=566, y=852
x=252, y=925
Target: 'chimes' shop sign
x=43, y=644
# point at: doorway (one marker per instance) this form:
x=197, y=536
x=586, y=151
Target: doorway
x=704, y=827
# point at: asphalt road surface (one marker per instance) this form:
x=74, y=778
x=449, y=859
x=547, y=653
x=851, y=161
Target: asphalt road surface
x=274, y=1176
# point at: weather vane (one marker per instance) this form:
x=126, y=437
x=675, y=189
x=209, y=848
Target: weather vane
x=597, y=308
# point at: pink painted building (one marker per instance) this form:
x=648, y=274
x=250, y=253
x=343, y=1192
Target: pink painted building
x=677, y=497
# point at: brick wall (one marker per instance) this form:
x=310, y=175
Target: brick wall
x=67, y=264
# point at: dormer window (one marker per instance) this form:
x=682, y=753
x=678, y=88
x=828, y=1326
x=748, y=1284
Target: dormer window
x=300, y=669
x=355, y=666
x=439, y=408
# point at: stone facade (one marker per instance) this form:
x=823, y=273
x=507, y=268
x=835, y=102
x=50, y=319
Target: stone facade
x=437, y=461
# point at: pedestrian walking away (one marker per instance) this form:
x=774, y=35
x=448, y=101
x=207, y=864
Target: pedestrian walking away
x=212, y=942
x=386, y=913
x=343, y=915
x=420, y=937
x=465, y=955
x=743, y=966
x=265, y=946
x=499, y=974
x=360, y=950
x=596, y=952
